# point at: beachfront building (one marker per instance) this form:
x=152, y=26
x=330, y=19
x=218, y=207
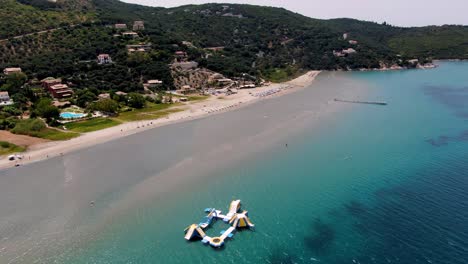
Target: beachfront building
x=8, y=71
x=186, y=89
x=104, y=59
x=120, y=26
x=49, y=82
x=138, y=25
x=5, y=99
x=60, y=91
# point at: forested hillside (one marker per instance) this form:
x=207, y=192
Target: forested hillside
x=260, y=41
x=38, y=15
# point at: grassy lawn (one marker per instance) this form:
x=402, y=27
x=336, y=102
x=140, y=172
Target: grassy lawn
x=37, y=128
x=151, y=111
x=197, y=97
x=92, y=125
x=53, y=134
x=8, y=148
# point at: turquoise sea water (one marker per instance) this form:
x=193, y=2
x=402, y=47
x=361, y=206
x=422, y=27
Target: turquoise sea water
x=365, y=184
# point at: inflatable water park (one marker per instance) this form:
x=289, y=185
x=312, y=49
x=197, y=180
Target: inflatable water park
x=234, y=218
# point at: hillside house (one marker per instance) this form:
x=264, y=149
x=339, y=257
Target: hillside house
x=138, y=25
x=104, y=59
x=120, y=93
x=8, y=71
x=353, y=42
x=104, y=96
x=138, y=48
x=154, y=83
x=5, y=99
x=130, y=34
x=345, y=36
x=50, y=81
x=180, y=56
x=120, y=26
x=349, y=51
x=59, y=91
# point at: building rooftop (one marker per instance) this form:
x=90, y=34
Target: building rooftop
x=154, y=82
x=59, y=87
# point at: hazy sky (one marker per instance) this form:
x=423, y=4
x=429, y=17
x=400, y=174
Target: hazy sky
x=395, y=12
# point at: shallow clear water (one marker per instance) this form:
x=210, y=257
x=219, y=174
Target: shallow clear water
x=355, y=184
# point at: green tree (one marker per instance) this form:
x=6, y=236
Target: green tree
x=105, y=105
x=45, y=109
x=14, y=82
x=85, y=97
x=136, y=100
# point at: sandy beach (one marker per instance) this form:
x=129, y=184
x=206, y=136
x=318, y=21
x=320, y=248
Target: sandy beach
x=43, y=150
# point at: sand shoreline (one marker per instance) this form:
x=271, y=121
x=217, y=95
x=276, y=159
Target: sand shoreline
x=211, y=106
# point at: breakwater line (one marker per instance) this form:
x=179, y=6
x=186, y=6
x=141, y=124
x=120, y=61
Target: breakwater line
x=361, y=102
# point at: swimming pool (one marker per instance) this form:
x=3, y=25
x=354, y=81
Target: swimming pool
x=70, y=115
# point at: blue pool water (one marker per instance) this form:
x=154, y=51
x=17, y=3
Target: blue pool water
x=70, y=115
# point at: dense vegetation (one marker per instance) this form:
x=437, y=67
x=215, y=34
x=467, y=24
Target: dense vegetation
x=266, y=42
x=18, y=19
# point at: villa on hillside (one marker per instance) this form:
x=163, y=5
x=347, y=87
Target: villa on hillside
x=120, y=26
x=5, y=99
x=59, y=91
x=120, y=93
x=142, y=47
x=138, y=25
x=130, y=34
x=154, y=83
x=353, y=42
x=344, y=53
x=104, y=96
x=50, y=81
x=104, y=59
x=180, y=56
x=8, y=71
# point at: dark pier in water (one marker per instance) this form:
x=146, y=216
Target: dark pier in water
x=361, y=102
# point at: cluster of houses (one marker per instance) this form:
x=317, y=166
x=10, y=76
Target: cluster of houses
x=56, y=88
x=348, y=51
x=142, y=47
x=137, y=26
